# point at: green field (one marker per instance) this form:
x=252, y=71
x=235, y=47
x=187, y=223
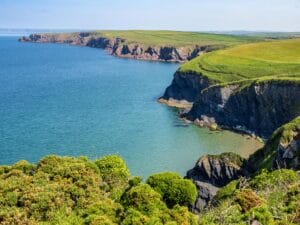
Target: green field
x=271, y=60
x=177, y=38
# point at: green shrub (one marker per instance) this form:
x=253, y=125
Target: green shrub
x=173, y=188
x=281, y=177
x=143, y=198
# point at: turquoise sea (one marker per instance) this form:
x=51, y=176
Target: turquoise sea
x=66, y=100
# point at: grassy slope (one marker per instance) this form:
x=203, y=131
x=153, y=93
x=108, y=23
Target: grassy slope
x=272, y=198
x=177, y=38
x=263, y=158
x=264, y=60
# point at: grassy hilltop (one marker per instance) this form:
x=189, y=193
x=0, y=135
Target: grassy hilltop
x=278, y=59
x=157, y=38
x=176, y=38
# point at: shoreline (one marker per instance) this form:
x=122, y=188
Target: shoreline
x=184, y=107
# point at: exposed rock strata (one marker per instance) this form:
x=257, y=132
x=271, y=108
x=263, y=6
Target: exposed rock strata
x=119, y=47
x=185, y=87
x=288, y=154
x=259, y=108
x=212, y=172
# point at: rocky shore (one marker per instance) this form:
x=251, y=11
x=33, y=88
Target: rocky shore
x=121, y=48
x=212, y=172
x=257, y=108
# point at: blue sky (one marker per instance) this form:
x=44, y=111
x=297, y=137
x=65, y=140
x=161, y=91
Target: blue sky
x=196, y=15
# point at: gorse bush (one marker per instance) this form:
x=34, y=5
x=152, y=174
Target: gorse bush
x=269, y=197
x=173, y=188
x=75, y=191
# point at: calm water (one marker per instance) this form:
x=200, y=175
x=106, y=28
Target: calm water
x=58, y=99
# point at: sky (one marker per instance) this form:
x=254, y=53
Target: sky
x=185, y=15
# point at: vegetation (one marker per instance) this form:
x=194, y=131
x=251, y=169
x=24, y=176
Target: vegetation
x=264, y=158
x=277, y=60
x=177, y=38
x=167, y=38
x=270, y=197
x=73, y=191
x=173, y=188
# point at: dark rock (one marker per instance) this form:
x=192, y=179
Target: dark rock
x=212, y=172
x=119, y=47
x=282, y=150
x=206, y=193
x=259, y=108
x=186, y=86
x=288, y=155
x=218, y=170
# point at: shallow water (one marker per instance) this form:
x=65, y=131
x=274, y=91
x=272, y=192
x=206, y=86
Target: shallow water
x=66, y=100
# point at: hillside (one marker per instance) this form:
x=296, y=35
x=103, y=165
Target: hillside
x=261, y=80
x=274, y=59
x=176, y=38
x=170, y=46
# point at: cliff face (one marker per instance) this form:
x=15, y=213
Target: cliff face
x=185, y=87
x=119, y=47
x=259, y=108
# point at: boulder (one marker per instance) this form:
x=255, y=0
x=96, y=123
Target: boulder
x=218, y=170
x=212, y=172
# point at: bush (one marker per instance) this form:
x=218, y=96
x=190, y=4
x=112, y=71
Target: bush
x=143, y=198
x=248, y=199
x=173, y=188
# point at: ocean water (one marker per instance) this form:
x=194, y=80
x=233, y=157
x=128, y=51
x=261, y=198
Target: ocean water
x=73, y=101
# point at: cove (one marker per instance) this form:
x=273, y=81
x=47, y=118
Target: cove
x=73, y=101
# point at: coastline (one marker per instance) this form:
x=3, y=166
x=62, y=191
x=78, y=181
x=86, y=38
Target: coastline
x=121, y=48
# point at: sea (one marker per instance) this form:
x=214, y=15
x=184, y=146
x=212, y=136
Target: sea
x=80, y=101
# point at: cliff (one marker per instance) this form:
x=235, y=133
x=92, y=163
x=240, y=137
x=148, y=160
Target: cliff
x=253, y=88
x=121, y=47
x=260, y=107
x=217, y=176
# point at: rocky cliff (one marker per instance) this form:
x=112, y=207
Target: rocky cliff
x=258, y=107
x=212, y=172
x=121, y=48
x=184, y=90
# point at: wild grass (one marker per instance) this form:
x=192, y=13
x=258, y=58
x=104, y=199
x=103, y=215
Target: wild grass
x=276, y=59
x=177, y=38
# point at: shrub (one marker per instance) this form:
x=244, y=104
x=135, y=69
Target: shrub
x=248, y=199
x=173, y=188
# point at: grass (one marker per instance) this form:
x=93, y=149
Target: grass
x=177, y=38
x=272, y=60
x=264, y=158
x=272, y=198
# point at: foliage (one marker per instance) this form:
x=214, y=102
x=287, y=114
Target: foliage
x=173, y=188
x=269, y=197
x=77, y=191
x=114, y=173
x=176, y=38
x=264, y=158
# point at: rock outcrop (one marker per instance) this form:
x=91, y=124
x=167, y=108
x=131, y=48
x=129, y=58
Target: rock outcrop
x=260, y=107
x=212, y=172
x=282, y=150
x=185, y=88
x=121, y=48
